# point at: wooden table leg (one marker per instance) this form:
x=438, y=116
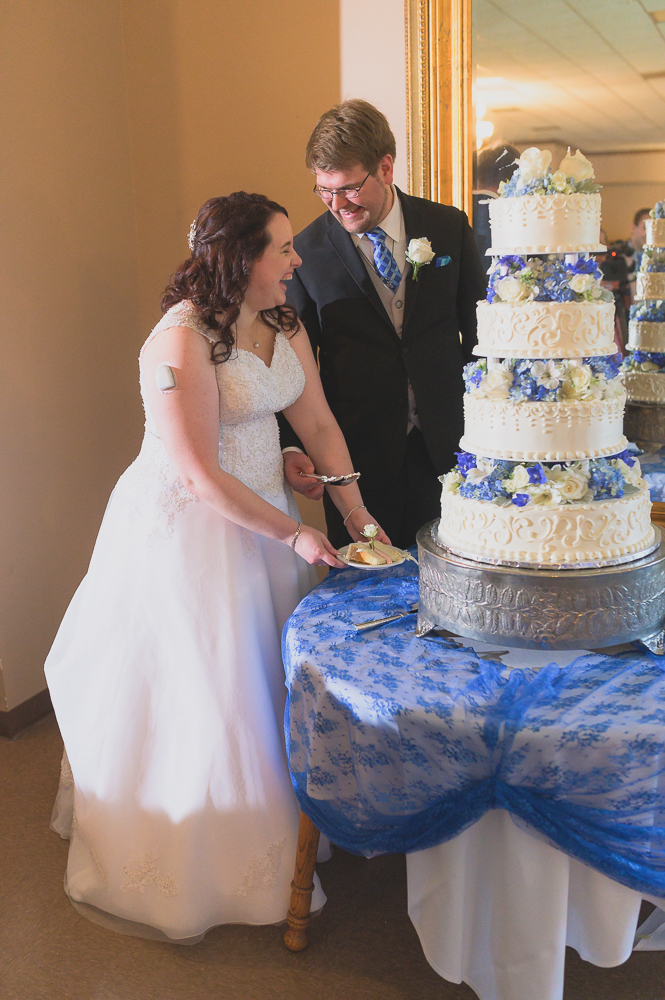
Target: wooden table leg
x=295, y=938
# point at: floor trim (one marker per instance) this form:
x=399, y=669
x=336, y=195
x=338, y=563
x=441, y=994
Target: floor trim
x=13, y=723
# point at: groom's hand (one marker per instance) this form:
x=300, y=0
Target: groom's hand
x=296, y=462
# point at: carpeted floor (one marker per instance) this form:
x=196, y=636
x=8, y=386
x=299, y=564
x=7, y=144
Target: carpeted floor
x=363, y=946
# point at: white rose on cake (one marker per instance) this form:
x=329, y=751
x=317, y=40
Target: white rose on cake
x=571, y=484
x=534, y=163
x=632, y=474
x=577, y=382
x=577, y=166
x=582, y=283
x=511, y=289
x=496, y=384
x=518, y=481
x=451, y=482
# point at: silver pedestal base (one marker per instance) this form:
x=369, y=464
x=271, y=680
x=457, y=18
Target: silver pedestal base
x=644, y=423
x=541, y=609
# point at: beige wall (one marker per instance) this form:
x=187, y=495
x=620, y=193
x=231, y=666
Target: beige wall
x=69, y=329
x=630, y=181
x=119, y=119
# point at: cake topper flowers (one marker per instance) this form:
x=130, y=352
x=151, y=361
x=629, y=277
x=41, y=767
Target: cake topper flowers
x=534, y=175
x=419, y=252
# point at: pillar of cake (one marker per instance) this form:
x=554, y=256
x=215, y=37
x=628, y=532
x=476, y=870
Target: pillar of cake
x=644, y=367
x=544, y=477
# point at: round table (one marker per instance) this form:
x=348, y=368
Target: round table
x=525, y=787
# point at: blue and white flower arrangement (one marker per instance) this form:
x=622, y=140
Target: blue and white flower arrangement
x=653, y=259
x=648, y=311
x=516, y=279
x=534, y=175
x=644, y=361
x=658, y=210
x=542, y=484
x=519, y=380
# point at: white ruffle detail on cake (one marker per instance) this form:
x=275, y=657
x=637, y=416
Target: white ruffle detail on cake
x=541, y=431
x=645, y=336
x=655, y=231
x=650, y=284
x=645, y=387
x=545, y=223
x=545, y=329
x=599, y=531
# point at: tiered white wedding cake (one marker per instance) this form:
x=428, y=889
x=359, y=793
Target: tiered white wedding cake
x=644, y=368
x=544, y=476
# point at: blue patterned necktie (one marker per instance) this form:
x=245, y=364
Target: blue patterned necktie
x=384, y=262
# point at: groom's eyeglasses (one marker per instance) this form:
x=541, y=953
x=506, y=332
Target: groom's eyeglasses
x=350, y=192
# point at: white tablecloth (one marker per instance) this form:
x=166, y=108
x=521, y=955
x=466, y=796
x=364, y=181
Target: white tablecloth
x=496, y=907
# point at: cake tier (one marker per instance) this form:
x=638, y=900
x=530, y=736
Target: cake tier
x=543, y=432
x=571, y=533
x=655, y=230
x=650, y=284
x=545, y=329
x=645, y=387
x=645, y=336
x=545, y=223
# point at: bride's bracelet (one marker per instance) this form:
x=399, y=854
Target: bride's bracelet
x=295, y=536
x=361, y=506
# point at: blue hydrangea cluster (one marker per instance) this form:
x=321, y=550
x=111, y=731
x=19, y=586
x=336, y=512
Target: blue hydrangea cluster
x=648, y=311
x=525, y=386
x=605, y=478
x=636, y=358
x=658, y=210
x=516, y=187
x=550, y=276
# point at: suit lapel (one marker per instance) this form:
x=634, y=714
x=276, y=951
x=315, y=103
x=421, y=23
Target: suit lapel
x=410, y=226
x=351, y=259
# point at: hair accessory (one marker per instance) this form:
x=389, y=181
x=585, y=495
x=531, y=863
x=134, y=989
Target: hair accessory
x=295, y=537
x=191, y=239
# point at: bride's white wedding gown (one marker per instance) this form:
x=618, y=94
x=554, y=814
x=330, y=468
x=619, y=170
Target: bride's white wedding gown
x=167, y=682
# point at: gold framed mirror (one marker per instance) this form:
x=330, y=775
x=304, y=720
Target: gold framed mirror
x=439, y=100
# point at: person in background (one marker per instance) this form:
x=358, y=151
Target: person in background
x=636, y=243
x=387, y=292
x=491, y=167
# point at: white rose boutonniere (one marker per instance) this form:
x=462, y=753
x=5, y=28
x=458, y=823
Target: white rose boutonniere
x=419, y=252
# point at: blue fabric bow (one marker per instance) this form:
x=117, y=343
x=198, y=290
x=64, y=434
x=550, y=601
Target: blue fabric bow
x=441, y=261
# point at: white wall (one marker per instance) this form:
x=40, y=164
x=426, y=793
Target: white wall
x=373, y=64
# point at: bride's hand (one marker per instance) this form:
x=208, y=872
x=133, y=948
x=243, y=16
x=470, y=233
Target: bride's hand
x=314, y=548
x=357, y=522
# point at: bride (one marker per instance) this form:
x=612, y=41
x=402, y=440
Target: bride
x=166, y=675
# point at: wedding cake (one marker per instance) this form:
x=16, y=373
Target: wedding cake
x=544, y=476
x=644, y=367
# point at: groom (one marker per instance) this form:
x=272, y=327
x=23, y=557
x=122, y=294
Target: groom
x=391, y=343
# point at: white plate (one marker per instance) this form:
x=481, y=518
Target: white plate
x=396, y=562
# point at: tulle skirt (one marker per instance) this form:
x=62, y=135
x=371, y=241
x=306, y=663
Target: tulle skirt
x=167, y=681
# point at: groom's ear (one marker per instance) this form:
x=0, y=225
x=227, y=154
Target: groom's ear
x=385, y=169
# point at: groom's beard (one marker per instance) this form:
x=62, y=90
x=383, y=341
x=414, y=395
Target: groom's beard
x=361, y=220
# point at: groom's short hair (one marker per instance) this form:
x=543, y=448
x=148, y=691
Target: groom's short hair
x=351, y=132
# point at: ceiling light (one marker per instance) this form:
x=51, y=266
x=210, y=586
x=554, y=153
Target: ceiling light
x=657, y=16
x=484, y=129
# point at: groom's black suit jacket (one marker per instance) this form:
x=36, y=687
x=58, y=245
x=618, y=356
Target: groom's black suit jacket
x=364, y=365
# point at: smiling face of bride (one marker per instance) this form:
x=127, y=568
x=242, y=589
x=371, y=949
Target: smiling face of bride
x=275, y=266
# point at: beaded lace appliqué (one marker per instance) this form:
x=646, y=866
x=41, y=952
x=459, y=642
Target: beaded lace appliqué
x=262, y=872
x=145, y=874
x=66, y=776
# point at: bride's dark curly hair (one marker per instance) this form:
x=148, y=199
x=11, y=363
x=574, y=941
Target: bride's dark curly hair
x=229, y=236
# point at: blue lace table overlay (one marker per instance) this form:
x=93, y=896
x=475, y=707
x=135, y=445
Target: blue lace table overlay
x=397, y=743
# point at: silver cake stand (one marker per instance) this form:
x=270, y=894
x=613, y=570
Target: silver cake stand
x=541, y=608
x=645, y=424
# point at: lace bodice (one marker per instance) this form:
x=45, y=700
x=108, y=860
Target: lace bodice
x=250, y=393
